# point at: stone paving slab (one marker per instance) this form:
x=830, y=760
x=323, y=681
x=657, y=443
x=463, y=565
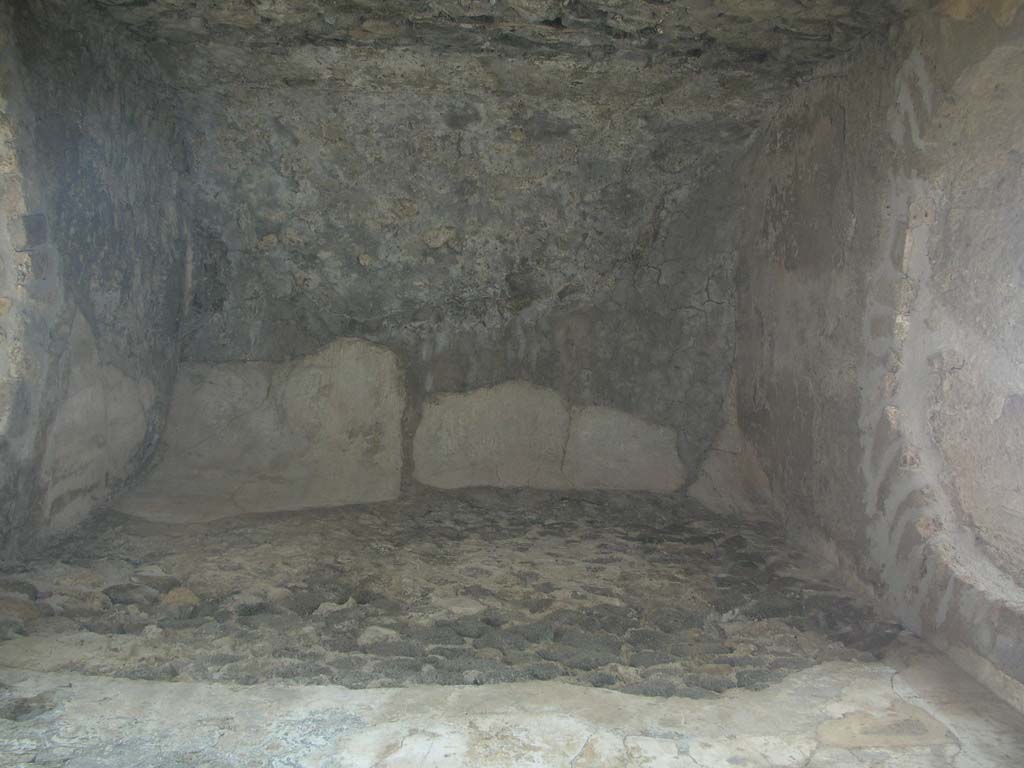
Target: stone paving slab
x=914, y=711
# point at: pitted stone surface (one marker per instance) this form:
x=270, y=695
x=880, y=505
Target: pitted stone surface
x=639, y=593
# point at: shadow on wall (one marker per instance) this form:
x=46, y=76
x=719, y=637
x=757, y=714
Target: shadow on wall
x=18, y=401
x=94, y=242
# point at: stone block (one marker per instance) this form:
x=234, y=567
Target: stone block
x=317, y=431
x=518, y=434
x=613, y=450
x=513, y=434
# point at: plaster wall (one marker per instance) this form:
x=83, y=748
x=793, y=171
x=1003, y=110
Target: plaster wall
x=518, y=434
x=879, y=351
x=319, y=430
x=95, y=247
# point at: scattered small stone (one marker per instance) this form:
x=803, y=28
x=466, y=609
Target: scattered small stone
x=156, y=671
x=435, y=238
x=327, y=608
x=757, y=678
x=660, y=688
x=180, y=596
x=249, y=605
x=660, y=634
x=542, y=670
x=672, y=620
x=18, y=609
x=302, y=602
x=11, y=628
x=131, y=594
x=537, y=604
x=469, y=626
x=19, y=587
x=716, y=683
x=650, y=658
x=364, y=595
x=373, y=635
x=577, y=658
x=651, y=639
x=504, y=640
x=773, y=606
x=394, y=649
x=542, y=631
x=462, y=605
x=154, y=577
x=477, y=591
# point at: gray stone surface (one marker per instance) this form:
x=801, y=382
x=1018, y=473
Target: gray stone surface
x=630, y=591
x=615, y=450
x=518, y=434
x=878, y=338
x=778, y=40
x=96, y=431
x=320, y=430
x=94, y=242
x=911, y=711
x=976, y=283
x=510, y=435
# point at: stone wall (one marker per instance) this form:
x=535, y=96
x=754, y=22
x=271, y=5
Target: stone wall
x=879, y=348
x=541, y=220
x=487, y=226
x=95, y=246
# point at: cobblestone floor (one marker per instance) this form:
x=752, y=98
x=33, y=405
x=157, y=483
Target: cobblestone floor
x=638, y=593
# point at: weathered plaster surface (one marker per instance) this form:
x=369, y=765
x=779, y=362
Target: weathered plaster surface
x=94, y=259
x=976, y=278
x=319, y=430
x=878, y=360
x=95, y=433
x=518, y=434
x=509, y=435
x=615, y=450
